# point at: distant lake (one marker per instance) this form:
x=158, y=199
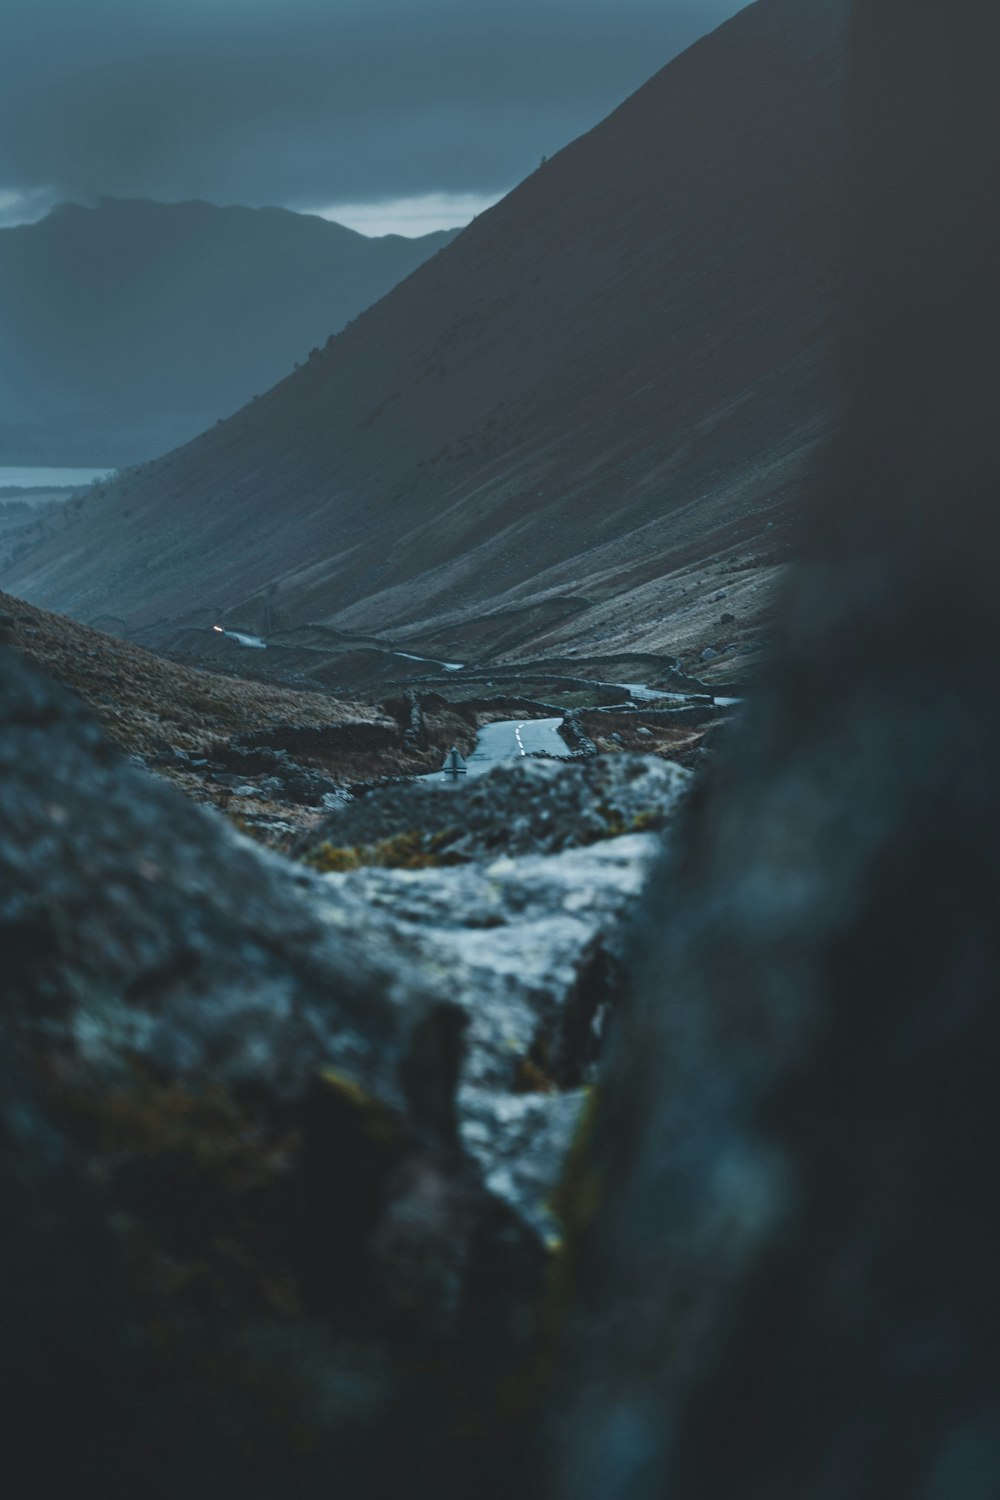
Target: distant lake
x=49, y=479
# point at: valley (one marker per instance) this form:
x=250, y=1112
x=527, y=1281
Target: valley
x=497, y=793
x=274, y=749
x=589, y=423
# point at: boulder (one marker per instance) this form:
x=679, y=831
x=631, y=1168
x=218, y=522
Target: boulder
x=280, y=1150
x=535, y=949
x=532, y=806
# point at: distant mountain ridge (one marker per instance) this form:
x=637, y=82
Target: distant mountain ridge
x=585, y=422
x=128, y=328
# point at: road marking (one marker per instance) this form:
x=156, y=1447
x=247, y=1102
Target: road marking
x=517, y=736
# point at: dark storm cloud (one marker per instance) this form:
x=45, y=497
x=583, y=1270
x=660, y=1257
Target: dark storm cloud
x=305, y=102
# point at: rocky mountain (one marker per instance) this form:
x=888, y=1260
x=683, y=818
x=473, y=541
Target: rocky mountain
x=587, y=420
x=128, y=328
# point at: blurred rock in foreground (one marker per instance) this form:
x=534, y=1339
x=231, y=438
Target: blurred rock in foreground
x=278, y=1149
x=792, y=1289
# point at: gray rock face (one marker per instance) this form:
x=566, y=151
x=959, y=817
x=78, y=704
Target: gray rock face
x=531, y=807
x=299, y=1133
x=139, y=927
x=535, y=951
x=278, y=775
x=521, y=1143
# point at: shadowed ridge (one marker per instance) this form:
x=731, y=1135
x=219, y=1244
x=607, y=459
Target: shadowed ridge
x=602, y=390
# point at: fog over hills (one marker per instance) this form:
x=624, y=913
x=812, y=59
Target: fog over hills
x=128, y=328
x=595, y=407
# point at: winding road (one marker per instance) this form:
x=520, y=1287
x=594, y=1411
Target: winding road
x=512, y=738
x=507, y=740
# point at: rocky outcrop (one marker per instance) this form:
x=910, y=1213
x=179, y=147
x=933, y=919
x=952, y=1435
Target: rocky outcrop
x=576, y=737
x=282, y=1147
x=534, y=949
x=255, y=772
x=320, y=740
x=533, y=806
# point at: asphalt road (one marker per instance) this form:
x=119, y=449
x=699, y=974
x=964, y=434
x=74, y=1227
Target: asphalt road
x=512, y=738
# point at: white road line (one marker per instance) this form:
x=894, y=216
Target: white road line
x=517, y=736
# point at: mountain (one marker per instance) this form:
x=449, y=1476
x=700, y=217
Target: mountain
x=582, y=424
x=127, y=328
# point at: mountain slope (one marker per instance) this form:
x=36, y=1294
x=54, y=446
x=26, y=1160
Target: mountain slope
x=566, y=426
x=128, y=328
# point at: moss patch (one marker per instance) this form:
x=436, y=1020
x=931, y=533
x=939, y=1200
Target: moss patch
x=199, y=1184
x=414, y=850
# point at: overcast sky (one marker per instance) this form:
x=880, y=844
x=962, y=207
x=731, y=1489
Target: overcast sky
x=388, y=114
